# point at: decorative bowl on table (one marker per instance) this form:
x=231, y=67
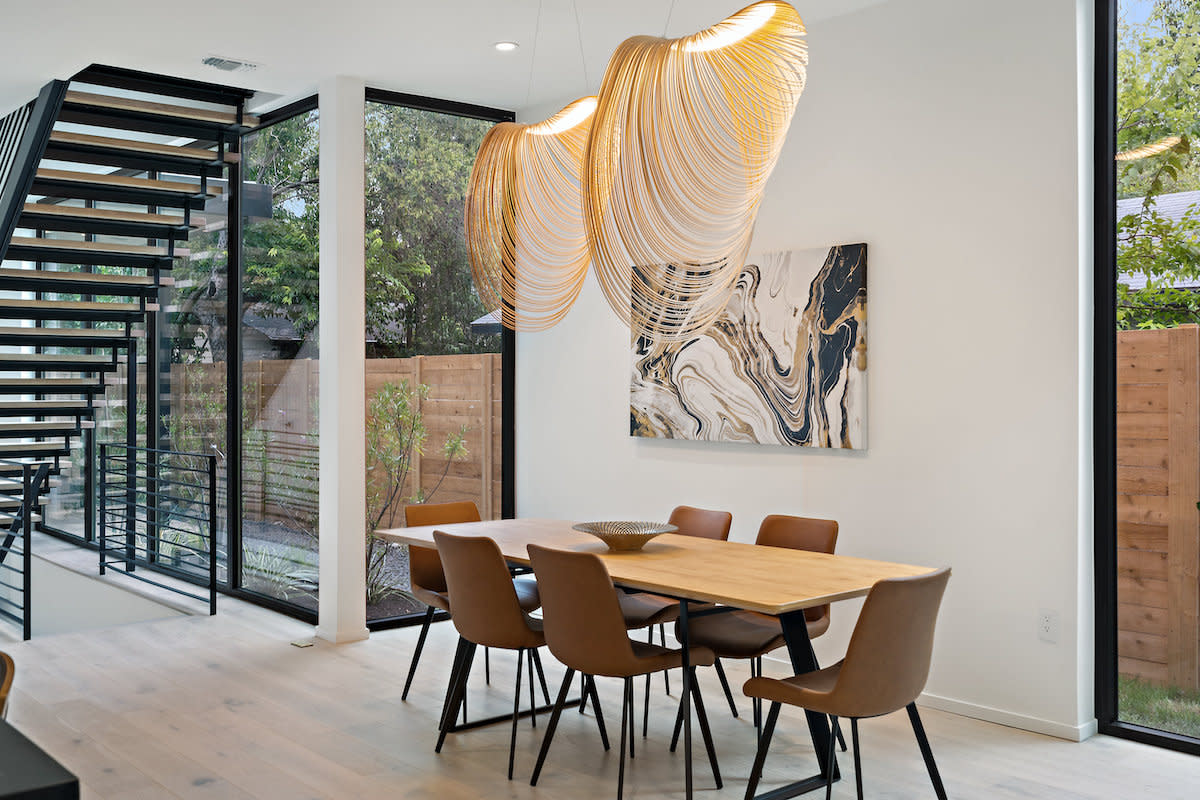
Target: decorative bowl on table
x=624, y=536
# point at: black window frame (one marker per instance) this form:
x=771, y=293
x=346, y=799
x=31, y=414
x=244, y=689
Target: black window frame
x=508, y=339
x=1104, y=438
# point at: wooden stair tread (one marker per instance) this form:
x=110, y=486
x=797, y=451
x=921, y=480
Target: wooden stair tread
x=81, y=333
x=12, y=501
x=94, y=247
x=47, y=381
x=10, y=485
x=134, y=146
x=160, y=109
x=69, y=305
x=88, y=277
x=31, y=447
x=34, y=405
x=10, y=519
x=124, y=181
x=81, y=358
x=35, y=426
x=103, y=214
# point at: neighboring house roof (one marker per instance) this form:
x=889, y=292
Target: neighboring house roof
x=1173, y=206
x=276, y=329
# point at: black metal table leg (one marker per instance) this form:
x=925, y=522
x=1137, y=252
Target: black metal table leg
x=687, y=699
x=795, y=632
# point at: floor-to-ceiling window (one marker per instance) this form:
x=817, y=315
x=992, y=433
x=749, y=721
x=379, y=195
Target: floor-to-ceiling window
x=435, y=373
x=1148, y=369
x=280, y=359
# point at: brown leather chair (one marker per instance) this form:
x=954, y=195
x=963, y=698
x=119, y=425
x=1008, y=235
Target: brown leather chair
x=7, y=669
x=585, y=631
x=487, y=612
x=885, y=669
x=750, y=635
x=428, y=582
x=645, y=609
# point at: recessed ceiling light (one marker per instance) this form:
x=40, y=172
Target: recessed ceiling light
x=506, y=47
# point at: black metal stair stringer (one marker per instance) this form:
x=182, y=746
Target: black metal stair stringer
x=28, y=155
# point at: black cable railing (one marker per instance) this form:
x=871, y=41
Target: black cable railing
x=16, y=552
x=158, y=509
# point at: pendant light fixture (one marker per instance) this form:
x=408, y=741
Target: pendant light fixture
x=685, y=134
x=524, y=214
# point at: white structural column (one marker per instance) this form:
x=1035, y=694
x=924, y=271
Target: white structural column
x=343, y=612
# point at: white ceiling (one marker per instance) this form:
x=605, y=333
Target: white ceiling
x=438, y=48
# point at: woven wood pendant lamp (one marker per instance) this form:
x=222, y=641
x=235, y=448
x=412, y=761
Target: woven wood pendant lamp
x=524, y=208
x=657, y=180
x=685, y=135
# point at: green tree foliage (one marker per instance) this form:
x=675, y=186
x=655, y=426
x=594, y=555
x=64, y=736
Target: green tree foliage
x=1158, y=96
x=420, y=296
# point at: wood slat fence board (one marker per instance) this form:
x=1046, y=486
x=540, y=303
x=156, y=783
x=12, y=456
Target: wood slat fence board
x=1158, y=524
x=279, y=482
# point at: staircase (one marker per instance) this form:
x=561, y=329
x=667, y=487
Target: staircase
x=102, y=179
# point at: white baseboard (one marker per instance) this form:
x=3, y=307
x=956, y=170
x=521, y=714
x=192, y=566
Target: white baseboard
x=1073, y=733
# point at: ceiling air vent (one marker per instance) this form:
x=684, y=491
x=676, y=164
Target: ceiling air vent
x=229, y=64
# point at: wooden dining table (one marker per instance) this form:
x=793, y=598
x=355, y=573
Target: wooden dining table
x=778, y=581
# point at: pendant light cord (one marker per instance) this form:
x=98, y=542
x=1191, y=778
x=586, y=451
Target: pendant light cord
x=582, y=58
x=537, y=27
x=667, y=24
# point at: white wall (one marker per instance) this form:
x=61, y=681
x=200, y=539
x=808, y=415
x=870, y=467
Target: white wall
x=947, y=135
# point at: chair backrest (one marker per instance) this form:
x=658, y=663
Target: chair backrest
x=582, y=620
x=486, y=610
x=887, y=660
x=701, y=522
x=801, y=533
x=424, y=567
x=7, y=668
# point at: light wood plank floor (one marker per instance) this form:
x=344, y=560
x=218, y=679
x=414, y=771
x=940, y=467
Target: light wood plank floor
x=225, y=707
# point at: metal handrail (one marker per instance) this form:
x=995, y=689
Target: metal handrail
x=125, y=492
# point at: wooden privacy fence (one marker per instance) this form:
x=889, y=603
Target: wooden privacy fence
x=1158, y=486
x=280, y=424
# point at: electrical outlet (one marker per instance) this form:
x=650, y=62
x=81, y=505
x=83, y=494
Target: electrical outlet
x=1047, y=625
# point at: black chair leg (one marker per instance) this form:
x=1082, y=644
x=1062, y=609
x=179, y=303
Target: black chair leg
x=455, y=665
x=532, y=692
x=678, y=726
x=626, y=700
x=858, y=780
x=537, y=661
x=662, y=637
x=829, y=764
x=926, y=751
x=591, y=689
x=457, y=690
x=725, y=687
x=487, y=665
x=704, y=730
x=582, y=693
x=632, y=718
x=551, y=725
x=756, y=703
x=412, y=668
x=646, y=704
x=764, y=743
x=837, y=731
x=512, y=741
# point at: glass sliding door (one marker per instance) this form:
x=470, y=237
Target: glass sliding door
x=434, y=355
x=280, y=361
x=1153, y=609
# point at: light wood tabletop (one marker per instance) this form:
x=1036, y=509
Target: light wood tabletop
x=772, y=580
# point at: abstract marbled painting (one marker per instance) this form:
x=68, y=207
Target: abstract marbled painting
x=785, y=364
